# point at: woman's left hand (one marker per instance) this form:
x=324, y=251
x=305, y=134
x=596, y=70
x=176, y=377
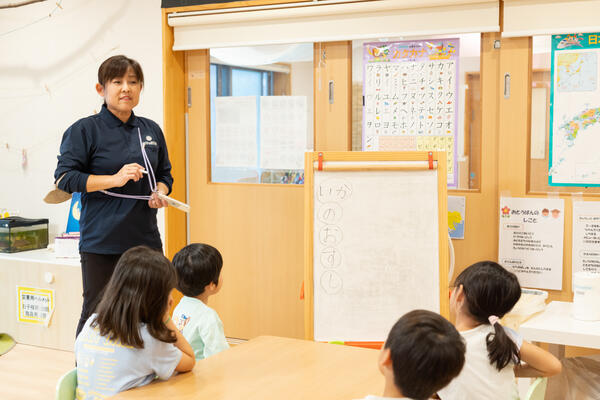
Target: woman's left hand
x=156, y=202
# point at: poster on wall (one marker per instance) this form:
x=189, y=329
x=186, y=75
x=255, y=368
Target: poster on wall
x=410, y=94
x=575, y=111
x=531, y=240
x=235, y=131
x=456, y=216
x=283, y=131
x=586, y=237
x=34, y=305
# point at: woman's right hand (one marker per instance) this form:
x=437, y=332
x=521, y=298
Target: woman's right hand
x=128, y=172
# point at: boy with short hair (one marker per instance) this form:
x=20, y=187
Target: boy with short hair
x=199, y=277
x=422, y=354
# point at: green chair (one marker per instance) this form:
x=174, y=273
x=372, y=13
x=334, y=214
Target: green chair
x=66, y=386
x=537, y=390
x=6, y=343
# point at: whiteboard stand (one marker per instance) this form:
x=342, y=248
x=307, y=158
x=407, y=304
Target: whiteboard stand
x=376, y=228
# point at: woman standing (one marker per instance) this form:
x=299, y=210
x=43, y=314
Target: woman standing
x=119, y=162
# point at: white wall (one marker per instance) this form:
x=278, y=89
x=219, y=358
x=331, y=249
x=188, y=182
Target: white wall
x=48, y=71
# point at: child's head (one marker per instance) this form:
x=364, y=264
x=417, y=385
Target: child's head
x=138, y=292
x=485, y=290
x=198, y=269
x=423, y=353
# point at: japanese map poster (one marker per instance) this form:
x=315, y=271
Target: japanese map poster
x=575, y=111
x=410, y=97
x=531, y=240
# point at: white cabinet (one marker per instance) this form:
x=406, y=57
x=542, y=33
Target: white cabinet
x=40, y=269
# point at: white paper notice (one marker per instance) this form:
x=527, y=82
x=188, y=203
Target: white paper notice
x=235, y=128
x=283, y=131
x=531, y=240
x=586, y=236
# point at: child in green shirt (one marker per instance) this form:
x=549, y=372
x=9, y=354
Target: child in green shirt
x=199, y=277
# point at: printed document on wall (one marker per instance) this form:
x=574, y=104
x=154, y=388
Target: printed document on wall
x=586, y=237
x=235, y=126
x=283, y=131
x=531, y=240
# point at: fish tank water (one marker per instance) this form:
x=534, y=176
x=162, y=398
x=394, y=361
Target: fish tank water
x=22, y=234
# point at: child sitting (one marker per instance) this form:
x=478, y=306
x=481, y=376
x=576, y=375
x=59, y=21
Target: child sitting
x=199, y=277
x=483, y=293
x=131, y=340
x=423, y=352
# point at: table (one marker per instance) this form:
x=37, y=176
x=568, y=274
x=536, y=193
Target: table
x=556, y=326
x=270, y=367
x=30, y=372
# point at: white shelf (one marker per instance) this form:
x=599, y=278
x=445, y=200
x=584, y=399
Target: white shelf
x=556, y=325
x=40, y=256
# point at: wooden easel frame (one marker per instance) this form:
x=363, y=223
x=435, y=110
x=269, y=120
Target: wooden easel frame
x=411, y=160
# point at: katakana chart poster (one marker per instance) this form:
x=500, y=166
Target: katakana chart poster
x=410, y=97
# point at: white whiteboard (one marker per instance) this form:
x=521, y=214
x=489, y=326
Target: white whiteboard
x=375, y=249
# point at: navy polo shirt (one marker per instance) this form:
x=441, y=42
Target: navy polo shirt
x=100, y=145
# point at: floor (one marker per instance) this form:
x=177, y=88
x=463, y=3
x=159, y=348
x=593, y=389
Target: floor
x=30, y=372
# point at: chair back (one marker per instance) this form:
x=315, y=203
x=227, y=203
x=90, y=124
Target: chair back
x=66, y=386
x=537, y=390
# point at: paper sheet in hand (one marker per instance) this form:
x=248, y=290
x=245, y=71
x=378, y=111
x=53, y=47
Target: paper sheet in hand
x=175, y=203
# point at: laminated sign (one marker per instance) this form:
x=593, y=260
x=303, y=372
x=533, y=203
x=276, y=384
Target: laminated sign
x=34, y=305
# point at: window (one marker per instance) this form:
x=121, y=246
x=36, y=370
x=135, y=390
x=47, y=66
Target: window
x=261, y=113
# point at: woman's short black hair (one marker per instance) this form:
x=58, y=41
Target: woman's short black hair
x=427, y=352
x=116, y=67
x=197, y=265
x=138, y=292
x=489, y=289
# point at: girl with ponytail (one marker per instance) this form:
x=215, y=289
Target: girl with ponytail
x=483, y=293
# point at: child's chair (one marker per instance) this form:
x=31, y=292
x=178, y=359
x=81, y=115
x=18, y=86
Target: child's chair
x=66, y=386
x=537, y=390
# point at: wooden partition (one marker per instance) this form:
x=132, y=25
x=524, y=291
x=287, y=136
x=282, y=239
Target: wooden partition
x=514, y=148
x=333, y=96
x=481, y=214
x=174, y=130
x=258, y=228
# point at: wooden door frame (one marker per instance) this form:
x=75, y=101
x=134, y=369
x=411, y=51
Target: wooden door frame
x=174, y=109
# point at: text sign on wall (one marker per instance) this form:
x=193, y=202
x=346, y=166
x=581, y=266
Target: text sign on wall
x=531, y=240
x=34, y=305
x=586, y=237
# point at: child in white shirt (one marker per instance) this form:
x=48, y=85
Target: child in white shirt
x=483, y=293
x=131, y=340
x=423, y=352
x=199, y=277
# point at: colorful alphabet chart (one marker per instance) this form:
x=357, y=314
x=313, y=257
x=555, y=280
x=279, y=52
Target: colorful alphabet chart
x=410, y=97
